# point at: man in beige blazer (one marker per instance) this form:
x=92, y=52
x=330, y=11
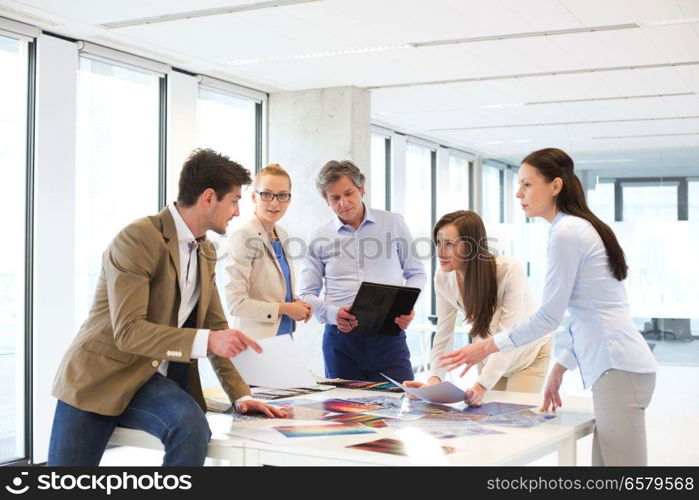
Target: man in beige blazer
x=156, y=311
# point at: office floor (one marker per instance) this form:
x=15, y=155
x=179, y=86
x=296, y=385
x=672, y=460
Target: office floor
x=671, y=422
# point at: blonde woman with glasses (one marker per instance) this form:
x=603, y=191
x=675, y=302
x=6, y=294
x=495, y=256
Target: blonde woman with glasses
x=260, y=289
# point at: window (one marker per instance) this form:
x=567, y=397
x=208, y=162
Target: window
x=601, y=200
x=491, y=195
x=380, y=145
x=13, y=125
x=693, y=199
x=457, y=194
x=418, y=196
x=649, y=201
x=226, y=124
x=517, y=214
x=117, y=162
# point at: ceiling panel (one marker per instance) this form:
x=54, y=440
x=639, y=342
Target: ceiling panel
x=676, y=43
x=689, y=8
x=632, y=46
x=598, y=12
x=542, y=14
x=97, y=12
x=489, y=18
x=586, y=50
x=294, y=43
x=684, y=105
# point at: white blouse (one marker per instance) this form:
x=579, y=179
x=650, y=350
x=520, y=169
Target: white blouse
x=602, y=333
x=514, y=303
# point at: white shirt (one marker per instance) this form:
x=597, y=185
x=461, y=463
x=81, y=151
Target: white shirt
x=189, y=292
x=189, y=288
x=514, y=303
x=578, y=277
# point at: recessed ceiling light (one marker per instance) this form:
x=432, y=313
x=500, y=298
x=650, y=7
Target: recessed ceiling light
x=192, y=14
x=503, y=105
x=528, y=34
x=565, y=72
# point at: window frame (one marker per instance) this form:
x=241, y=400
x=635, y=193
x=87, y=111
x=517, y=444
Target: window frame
x=27, y=34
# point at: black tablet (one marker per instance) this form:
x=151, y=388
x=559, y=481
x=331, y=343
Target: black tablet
x=376, y=306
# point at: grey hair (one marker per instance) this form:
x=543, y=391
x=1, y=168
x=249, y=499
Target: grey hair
x=334, y=170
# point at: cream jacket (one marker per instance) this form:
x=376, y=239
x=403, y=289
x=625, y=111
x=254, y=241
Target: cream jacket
x=255, y=282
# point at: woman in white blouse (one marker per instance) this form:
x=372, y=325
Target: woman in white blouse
x=493, y=294
x=586, y=269
x=260, y=289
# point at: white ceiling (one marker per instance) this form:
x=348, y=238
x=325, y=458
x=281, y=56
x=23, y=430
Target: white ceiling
x=503, y=98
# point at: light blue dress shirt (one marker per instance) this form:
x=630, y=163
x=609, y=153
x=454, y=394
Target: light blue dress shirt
x=578, y=277
x=339, y=258
x=286, y=325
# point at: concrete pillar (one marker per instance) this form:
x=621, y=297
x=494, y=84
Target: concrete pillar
x=307, y=129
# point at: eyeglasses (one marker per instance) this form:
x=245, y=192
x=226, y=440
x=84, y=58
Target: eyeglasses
x=267, y=196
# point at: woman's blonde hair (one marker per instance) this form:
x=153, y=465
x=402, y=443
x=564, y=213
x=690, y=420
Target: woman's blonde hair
x=271, y=169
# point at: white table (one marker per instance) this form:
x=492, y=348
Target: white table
x=514, y=447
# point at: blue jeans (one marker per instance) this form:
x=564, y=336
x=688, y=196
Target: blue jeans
x=160, y=407
x=360, y=356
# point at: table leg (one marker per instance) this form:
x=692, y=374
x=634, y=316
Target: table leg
x=568, y=451
x=252, y=457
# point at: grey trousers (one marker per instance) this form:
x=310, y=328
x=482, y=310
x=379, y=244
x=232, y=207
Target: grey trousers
x=620, y=399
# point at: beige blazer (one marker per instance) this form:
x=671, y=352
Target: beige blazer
x=132, y=325
x=256, y=283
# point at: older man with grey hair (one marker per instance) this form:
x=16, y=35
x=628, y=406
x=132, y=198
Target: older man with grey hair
x=357, y=244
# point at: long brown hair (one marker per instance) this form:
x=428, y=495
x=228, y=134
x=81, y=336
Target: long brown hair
x=552, y=163
x=479, y=290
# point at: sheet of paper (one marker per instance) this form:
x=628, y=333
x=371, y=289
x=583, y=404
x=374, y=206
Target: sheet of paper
x=278, y=366
x=444, y=392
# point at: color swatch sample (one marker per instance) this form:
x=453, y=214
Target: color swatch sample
x=342, y=406
x=364, y=385
x=402, y=413
x=359, y=418
x=305, y=413
x=441, y=429
x=382, y=401
x=297, y=431
x=495, y=408
x=521, y=419
x=455, y=416
x=429, y=408
x=392, y=447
